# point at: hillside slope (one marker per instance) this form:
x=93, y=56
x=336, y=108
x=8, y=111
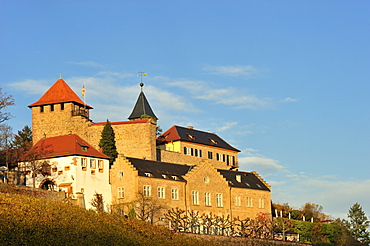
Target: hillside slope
x=26, y=220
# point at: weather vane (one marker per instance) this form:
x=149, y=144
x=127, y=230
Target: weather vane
x=141, y=74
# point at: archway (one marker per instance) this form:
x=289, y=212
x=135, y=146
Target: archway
x=48, y=184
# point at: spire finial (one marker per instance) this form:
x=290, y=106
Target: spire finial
x=141, y=74
x=60, y=75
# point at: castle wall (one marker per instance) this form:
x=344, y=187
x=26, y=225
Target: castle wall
x=48, y=122
x=133, y=138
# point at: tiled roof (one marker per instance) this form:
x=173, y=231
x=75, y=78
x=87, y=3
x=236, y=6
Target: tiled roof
x=66, y=145
x=176, y=133
x=163, y=170
x=59, y=92
x=247, y=180
x=142, y=107
x=160, y=170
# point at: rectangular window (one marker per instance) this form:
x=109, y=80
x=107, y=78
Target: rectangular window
x=195, y=152
x=161, y=192
x=191, y=151
x=200, y=153
x=261, y=203
x=92, y=163
x=147, y=190
x=185, y=150
x=52, y=107
x=188, y=151
x=121, y=192
x=228, y=160
x=249, y=202
x=41, y=109
x=175, y=194
x=219, y=202
x=237, y=201
x=210, y=155
x=83, y=162
x=100, y=164
x=195, y=197
x=223, y=157
x=233, y=161
x=62, y=106
x=218, y=157
x=207, y=199
x=238, y=178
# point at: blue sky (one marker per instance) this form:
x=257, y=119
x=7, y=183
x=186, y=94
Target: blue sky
x=286, y=82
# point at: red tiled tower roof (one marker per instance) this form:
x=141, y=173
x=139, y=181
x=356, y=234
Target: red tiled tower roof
x=66, y=145
x=59, y=92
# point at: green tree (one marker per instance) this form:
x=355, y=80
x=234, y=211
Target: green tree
x=358, y=223
x=108, y=142
x=23, y=139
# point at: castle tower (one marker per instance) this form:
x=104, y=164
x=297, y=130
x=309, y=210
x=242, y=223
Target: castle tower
x=59, y=112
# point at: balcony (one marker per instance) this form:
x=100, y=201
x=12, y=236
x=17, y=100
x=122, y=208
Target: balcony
x=81, y=112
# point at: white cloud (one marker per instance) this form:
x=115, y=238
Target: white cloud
x=227, y=126
x=260, y=164
x=335, y=195
x=227, y=96
x=31, y=86
x=289, y=100
x=87, y=64
x=239, y=70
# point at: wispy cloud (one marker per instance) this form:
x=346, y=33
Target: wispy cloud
x=289, y=100
x=228, y=96
x=227, y=126
x=238, y=70
x=87, y=64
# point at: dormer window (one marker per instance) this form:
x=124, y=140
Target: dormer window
x=174, y=177
x=213, y=141
x=164, y=176
x=190, y=136
x=84, y=148
x=238, y=178
x=148, y=175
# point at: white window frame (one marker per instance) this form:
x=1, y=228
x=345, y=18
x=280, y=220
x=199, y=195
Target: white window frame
x=261, y=203
x=100, y=164
x=237, y=201
x=92, y=163
x=83, y=162
x=161, y=192
x=175, y=194
x=195, y=197
x=219, y=202
x=249, y=202
x=147, y=190
x=121, y=192
x=207, y=199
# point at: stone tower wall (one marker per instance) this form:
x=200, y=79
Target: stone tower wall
x=57, y=122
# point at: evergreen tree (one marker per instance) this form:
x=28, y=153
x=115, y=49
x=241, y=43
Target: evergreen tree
x=108, y=142
x=23, y=139
x=358, y=223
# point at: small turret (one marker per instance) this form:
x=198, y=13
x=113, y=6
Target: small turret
x=142, y=108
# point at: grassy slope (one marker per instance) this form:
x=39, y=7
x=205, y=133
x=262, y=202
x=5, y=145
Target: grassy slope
x=33, y=221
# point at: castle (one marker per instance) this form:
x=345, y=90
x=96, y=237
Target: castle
x=182, y=168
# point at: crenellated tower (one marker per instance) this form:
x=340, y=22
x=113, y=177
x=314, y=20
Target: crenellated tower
x=59, y=112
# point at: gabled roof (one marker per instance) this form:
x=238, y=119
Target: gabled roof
x=164, y=170
x=178, y=133
x=142, y=107
x=59, y=92
x=66, y=145
x=160, y=170
x=247, y=180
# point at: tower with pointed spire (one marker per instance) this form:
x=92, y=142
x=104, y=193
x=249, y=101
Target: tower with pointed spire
x=142, y=108
x=59, y=112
